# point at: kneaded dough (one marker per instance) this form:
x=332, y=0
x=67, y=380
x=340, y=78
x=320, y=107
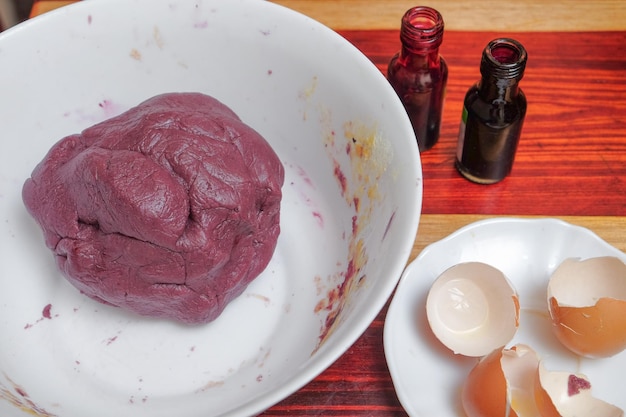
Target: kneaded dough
x=168, y=210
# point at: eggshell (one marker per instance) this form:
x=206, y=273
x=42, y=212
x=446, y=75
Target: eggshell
x=485, y=389
x=501, y=384
x=473, y=309
x=513, y=382
x=564, y=394
x=587, y=303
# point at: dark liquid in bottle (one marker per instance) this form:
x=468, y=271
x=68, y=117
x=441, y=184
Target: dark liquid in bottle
x=489, y=139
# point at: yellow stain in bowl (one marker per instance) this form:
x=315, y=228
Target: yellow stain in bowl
x=19, y=398
x=359, y=156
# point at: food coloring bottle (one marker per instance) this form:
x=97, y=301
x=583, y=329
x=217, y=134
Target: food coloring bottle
x=419, y=74
x=493, y=114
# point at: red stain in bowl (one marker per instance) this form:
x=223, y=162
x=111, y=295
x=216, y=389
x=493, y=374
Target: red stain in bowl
x=319, y=218
x=46, y=314
x=341, y=178
x=46, y=311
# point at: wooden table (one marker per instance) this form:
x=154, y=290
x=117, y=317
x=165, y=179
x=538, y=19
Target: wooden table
x=571, y=162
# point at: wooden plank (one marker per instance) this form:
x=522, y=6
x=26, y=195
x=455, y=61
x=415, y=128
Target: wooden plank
x=571, y=159
x=510, y=15
x=44, y=6
x=434, y=227
x=484, y=15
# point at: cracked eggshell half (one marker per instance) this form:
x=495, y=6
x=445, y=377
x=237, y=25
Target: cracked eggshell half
x=473, y=309
x=563, y=394
x=513, y=382
x=501, y=384
x=587, y=303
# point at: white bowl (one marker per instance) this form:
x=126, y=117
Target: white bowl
x=350, y=210
x=427, y=376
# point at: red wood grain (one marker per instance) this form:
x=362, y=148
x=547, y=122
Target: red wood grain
x=358, y=384
x=572, y=155
x=571, y=161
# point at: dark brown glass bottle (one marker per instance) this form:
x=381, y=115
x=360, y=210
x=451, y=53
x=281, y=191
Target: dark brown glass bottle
x=493, y=114
x=419, y=74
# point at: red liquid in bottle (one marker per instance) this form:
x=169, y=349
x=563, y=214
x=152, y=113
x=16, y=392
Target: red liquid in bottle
x=419, y=74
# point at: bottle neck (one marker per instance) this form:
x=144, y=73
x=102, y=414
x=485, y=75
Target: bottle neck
x=421, y=31
x=422, y=60
x=502, y=67
x=491, y=89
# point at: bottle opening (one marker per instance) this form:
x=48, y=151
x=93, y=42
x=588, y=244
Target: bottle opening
x=505, y=54
x=422, y=21
x=422, y=27
x=504, y=58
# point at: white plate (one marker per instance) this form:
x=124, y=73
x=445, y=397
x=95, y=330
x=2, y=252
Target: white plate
x=427, y=376
x=301, y=86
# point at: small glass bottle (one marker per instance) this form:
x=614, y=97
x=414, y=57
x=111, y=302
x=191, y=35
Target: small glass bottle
x=419, y=74
x=493, y=114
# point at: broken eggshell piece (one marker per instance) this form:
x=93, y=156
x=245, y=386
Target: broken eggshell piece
x=513, y=382
x=473, y=309
x=563, y=394
x=587, y=302
x=499, y=384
